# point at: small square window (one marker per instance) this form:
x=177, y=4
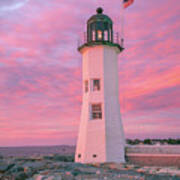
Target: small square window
x=86, y=86
x=96, y=84
x=94, y=155
x=96, y=111
x=79, y=155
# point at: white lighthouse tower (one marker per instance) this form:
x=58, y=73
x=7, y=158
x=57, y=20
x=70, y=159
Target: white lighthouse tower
x=101, y=137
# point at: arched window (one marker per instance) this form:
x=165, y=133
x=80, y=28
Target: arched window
x=106, y=35
x=94, y=35
x=99, y=34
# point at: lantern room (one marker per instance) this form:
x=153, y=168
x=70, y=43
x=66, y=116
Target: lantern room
x=99, y=27
x=100, y=32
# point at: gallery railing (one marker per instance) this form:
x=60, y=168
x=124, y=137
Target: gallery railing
x=116, y=40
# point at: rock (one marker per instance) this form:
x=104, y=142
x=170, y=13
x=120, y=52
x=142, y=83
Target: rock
x=76, y=172
x=68, y=173
x=53, y=169
x=50, y=178
x=88, y=170
x=26, y=169
x=34, y=165
x=16, y=168
x=98, y=165
x=5, y=167
x=152, y=171
x=36, y=157
x=58, y=178
x=30, y=172
x=66, y=176
x=91, y=177
x=38, y=177
x=53, y=178
x=66, y=166
x=141, y=170
x=98, y=172
x=85, y=170
x=171, y=171
x=45, y=173
x=130, y=166
x=140, y=178
x=114, y=166
x=21, y=176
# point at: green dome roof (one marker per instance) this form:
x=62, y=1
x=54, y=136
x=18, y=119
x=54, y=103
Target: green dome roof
x=99, y=17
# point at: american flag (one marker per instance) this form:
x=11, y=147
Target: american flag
x=127, y=3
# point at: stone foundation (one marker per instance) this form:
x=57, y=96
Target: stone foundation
x=153, y=155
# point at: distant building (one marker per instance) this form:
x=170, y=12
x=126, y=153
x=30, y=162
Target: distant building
x=101, y=136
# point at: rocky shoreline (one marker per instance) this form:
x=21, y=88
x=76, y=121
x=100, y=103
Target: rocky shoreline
x=60, y=167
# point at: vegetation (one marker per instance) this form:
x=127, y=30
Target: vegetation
x=153, y=141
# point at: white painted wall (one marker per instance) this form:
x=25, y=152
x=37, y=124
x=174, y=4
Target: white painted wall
x=103, y=137
x=114, y=129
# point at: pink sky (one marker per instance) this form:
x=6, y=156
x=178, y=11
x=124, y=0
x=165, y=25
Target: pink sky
x=40, y=69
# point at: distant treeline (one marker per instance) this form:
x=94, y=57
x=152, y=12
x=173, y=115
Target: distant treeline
x=153, y=141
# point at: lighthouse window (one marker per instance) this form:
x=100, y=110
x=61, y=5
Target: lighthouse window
x=86, y=86
x=110, y=36
x=106, y=35
x=93, y=35
x=96, y=111
x=96, y=84
x=99, y=34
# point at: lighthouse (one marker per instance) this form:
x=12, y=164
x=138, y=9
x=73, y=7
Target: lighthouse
x=101, y=136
